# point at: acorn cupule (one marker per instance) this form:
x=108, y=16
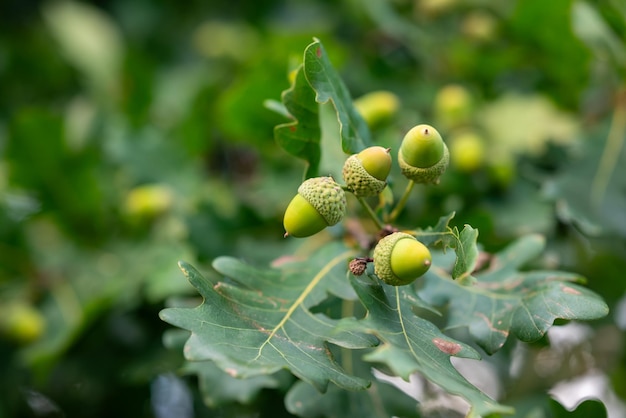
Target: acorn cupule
x=366, y=173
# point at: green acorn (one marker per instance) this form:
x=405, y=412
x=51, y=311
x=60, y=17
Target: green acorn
x=377, y=107
x=399, y=259
x=366, y=173
x=423, y=156
x=453, y=106
x=320, y=202
x=21, y=322
x=468, y=151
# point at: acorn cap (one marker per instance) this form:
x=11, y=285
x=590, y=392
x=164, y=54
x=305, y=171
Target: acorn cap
x=429, y=175
x=358, y=180
x=326, y=196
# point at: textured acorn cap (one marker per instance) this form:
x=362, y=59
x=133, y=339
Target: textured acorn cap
x=358, y=180
x=326, y=196
x=425, y=175
x=383, y=260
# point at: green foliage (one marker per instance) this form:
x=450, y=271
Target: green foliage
x=301, y=138
x=588, y=408
x=137, y=134
x=595, y=206
x=379, y=400
x=255, y=322
x=316, y=81
x=410, y=344
x=464, y=244
x=266, y=325
x=505, y=300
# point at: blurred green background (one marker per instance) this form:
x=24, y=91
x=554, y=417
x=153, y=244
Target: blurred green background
x=134, y=134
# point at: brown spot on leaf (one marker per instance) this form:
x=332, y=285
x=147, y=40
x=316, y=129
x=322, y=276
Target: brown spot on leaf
x=446, y=346
x=570, y=290
x=318, y=52
x=285, y=259
x=490, y=325
x=292, y=128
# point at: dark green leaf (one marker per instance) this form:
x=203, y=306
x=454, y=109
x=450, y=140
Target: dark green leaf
x=301, y=137
x=412, y=344
x=586, y=409
x=318, y=82
x=261, y=322
x=328, y=85
x=505, y=299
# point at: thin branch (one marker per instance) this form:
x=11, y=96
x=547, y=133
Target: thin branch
x=402, y=203
x=371, y=213
x=612, y=151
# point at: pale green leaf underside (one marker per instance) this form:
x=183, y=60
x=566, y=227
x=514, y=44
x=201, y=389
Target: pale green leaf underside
x=506, y=300
x=259, y=321
x=381, y=400
x=219, y=388
x=412, y=344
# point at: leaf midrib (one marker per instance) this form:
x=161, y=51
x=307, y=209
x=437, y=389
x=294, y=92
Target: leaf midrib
x=298, y=302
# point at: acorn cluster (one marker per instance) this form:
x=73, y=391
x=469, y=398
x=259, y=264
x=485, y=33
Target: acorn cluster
x=399, y=258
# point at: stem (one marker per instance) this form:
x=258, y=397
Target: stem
x=405, y=197
x=371, y=212
x=612, y=151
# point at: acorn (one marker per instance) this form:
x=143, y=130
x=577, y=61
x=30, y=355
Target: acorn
x=320, y=202
x=468, y=151
x=423, y=156
x=21, y=322
x=366, y=173
x=377, y=107
x=453, y=106
x=399, y=259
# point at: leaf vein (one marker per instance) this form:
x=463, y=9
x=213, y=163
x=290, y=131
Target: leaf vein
x=300, y=300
